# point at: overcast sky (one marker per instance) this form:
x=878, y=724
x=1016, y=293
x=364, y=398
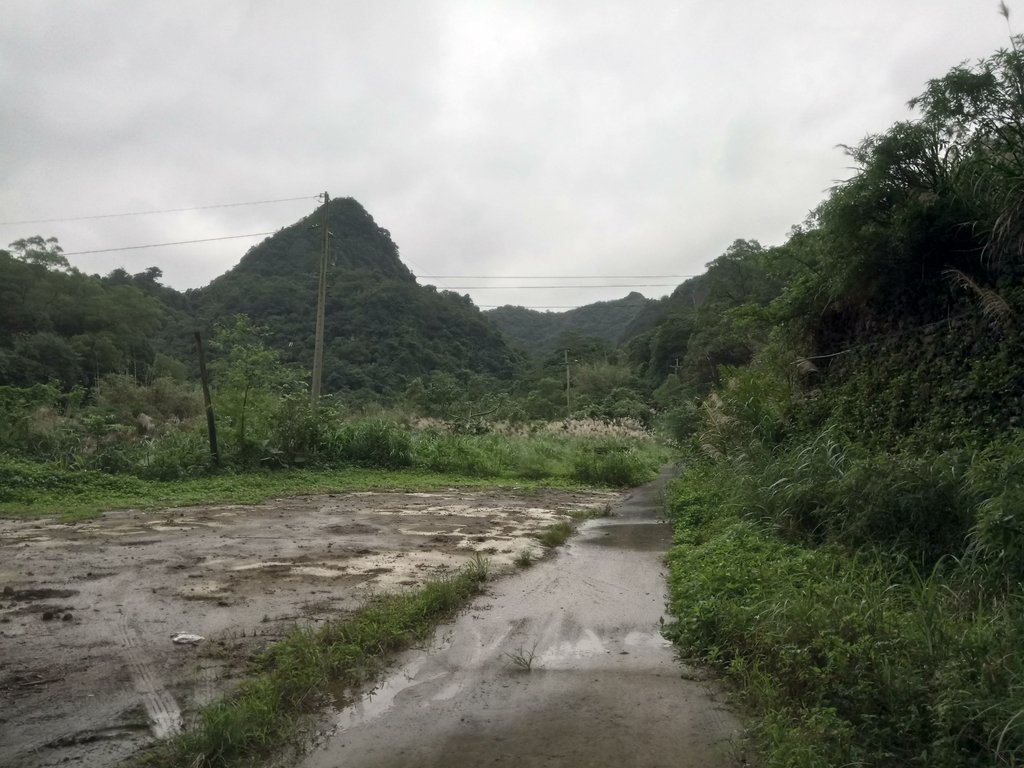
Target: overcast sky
x=548, y=138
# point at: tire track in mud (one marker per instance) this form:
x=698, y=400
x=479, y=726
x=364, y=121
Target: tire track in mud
x=161, y=708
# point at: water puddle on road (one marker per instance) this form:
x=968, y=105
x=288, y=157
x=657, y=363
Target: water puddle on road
x=643, y=537
x=378, y=701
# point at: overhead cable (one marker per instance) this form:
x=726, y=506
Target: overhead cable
x=553, y=277
x=161, y=245
x=164, y=210
x=535, y=287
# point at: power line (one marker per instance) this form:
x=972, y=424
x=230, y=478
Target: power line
x=534, y=287
x=532, y=306
x=164, y=210
x=552, y=277
x=161, y=245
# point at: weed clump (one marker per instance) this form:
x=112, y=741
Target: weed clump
x=555, y=534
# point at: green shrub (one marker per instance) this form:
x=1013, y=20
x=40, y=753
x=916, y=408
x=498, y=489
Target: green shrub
x=26, y=482
x=177, y=454
x=612, y=464
x=832, y=489
x=373, y=443
x=996, y=478
x=469, y=455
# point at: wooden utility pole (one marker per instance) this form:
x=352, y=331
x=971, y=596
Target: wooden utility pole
x=568, y=391
x=318, y=348
x=211, y=423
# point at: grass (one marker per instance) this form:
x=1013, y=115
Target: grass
x=592, y=513
x=555, y=534
x=522, y=658
x=848, y=656
x=524, y=559
x=91, y=493
x=439, y=460
x=295, y=675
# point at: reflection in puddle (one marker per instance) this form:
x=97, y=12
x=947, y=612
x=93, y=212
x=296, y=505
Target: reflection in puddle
x=652, y=536
x=587, y=644
x=379, y=700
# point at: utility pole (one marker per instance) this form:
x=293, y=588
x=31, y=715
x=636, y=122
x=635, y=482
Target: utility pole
x=211, y=422
x=318, y=348
x=675, y=367
x=568, y=391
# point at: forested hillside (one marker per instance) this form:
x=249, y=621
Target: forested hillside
x=57, y=324
x=382, y=329
x=540, y=333
x=850, y=526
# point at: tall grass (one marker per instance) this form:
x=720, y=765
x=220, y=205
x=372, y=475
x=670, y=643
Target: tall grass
x=852, y=654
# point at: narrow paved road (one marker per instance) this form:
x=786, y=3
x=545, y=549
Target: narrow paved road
x=603, y=687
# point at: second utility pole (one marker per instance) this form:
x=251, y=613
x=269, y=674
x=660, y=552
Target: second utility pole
x=568, y=391
x=318, y=348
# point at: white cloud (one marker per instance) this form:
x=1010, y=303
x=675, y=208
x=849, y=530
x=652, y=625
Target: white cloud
x=491, y=138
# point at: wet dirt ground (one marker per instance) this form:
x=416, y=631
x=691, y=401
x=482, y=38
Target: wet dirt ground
x=562, y=665
x=88, y=670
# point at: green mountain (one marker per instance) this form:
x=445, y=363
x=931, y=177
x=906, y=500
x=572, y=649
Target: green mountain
x=539, y=332
x=382, y=329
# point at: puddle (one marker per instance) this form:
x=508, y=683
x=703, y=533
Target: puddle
x=588, y=644
x=318, y=572
x=642, y=537
x=256, y=566
x=376, y=702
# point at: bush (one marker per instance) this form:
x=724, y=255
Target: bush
x=438, y=451
x=996, y=541
x=612, y=464
x=373, y=443
x=834, y=490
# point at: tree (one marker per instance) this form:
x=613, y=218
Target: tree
x=248, y=370
x=45, y=253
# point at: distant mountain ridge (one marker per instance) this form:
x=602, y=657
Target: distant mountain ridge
x=539, y=332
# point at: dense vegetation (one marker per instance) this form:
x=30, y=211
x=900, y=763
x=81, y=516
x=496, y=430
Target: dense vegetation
x=850, y=529
x=382, y=328
x=543, y=333
x=59, y=325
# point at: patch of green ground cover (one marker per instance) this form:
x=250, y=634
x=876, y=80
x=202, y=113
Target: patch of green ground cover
x=846, y=657
x=32, y=489
x=295, y=676
x=85, y=495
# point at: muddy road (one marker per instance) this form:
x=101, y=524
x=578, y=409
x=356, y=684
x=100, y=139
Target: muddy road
x=561, y=665
x=88, y=669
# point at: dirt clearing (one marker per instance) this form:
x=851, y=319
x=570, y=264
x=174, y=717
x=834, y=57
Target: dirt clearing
x=88, y=668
